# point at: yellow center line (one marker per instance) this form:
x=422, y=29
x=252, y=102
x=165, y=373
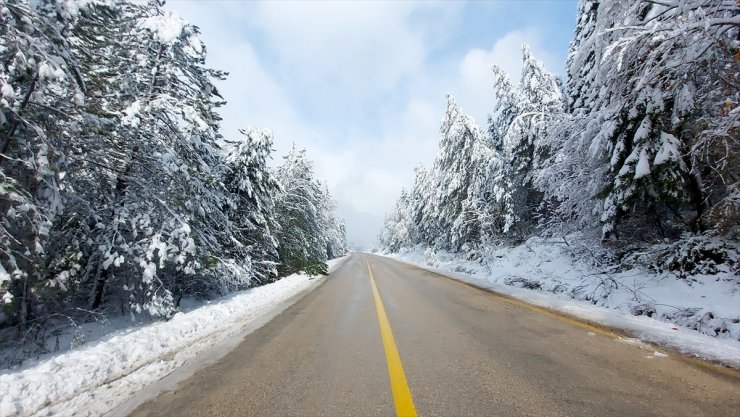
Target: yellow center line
x=399, y=386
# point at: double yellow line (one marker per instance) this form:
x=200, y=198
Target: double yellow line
x=399, y=386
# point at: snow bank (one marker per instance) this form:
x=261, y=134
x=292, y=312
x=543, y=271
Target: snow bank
x=99, y=376
x=697, y=318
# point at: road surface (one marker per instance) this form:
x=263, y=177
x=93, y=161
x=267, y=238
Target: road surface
x=383, y=338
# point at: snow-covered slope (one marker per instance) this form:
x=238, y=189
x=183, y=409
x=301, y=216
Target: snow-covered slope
x=699, y=317
x=97, y=377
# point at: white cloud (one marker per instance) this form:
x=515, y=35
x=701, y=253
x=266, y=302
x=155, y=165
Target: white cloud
x=367, y=172
x=354, y=83
x=360, y=47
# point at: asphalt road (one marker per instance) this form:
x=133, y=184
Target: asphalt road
x=463, y=352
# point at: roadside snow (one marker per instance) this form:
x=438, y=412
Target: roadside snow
x=699, y=318
x=97, y=377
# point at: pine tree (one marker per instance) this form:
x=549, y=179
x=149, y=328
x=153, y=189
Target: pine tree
x=491, y=200
x=505, y=110
x=584, y=57
x=123, y=120
x=308, y=232
x=462, y=202
x=162, y=180
x=525, y=116
x=115, y=192
x=650, y=141
x=645, y=148
x=421, y=207
x=41, y=95
x=660, y=109
x=637, y=86
x=462, y=150
x=398, y=228
x=333, y=230
x=250, y=182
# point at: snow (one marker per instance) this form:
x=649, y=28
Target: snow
x=684, y=315
x=4, y=275
x=166, y=28
x=131, y=114
x=48, y=71
x=668, y=149
x=97, y=377
x=643, y=165
x=7, y=91
x=194, y=48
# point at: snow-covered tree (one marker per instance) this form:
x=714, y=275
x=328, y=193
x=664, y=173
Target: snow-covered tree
x=108, y=111
x=308, y=232
x=398, y=229
x=333, y=229
x=642, y=145
x=650, y=150
x=522, y=122
x=506, y=107
x=463, y=150
x=115, y=193
x=421, y=206
x=653, y=89
x=252, y=186
x=575, y=176
x=156, y=209
x=42, y=91
x=462, y=202
x=584, y=57
x=491, y=198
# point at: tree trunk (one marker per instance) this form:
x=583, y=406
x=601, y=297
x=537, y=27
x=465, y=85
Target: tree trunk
x=101, y=278
x=696, y=197
x=103, y=274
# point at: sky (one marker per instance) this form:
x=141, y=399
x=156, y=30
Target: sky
x=362, y=85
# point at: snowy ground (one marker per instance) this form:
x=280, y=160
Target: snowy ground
x=699, y=317
x=97, y=377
